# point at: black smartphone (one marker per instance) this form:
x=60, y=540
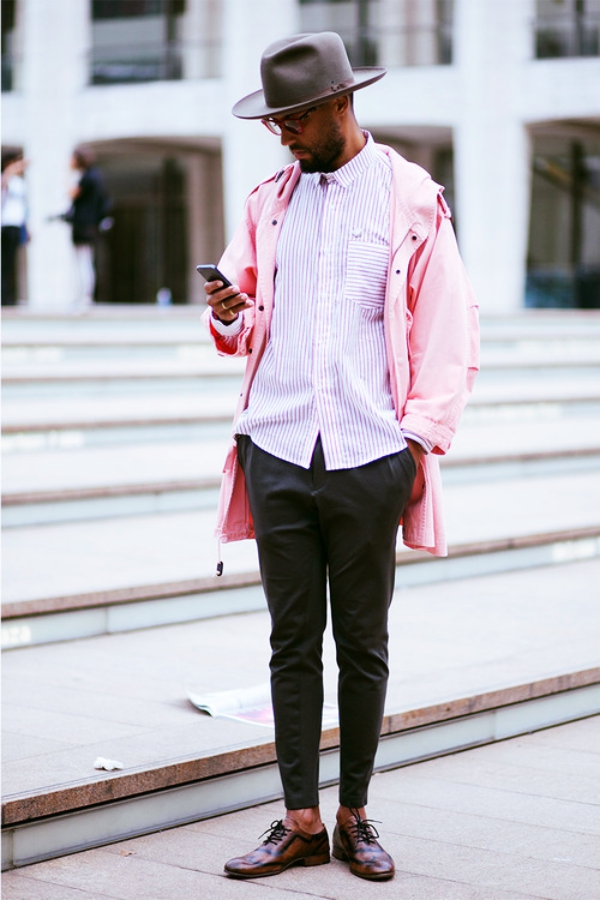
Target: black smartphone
x=210, y=273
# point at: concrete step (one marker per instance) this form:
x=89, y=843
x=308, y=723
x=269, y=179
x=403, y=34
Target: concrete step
x=483, y=445
x=30, y=364
x=23, y=418
x=96, y=336
x=137, y=550
x=472, y=661
x=63, y=618
x=109, y=324
x=30, y=399
x=193, y=361
x=135, y=316
x=118, y=411
x=108, y=345
x=82, y=504
x=139, y=571
x=103, y=326
x=196, y=362
x=187, y=477
x=534, y=324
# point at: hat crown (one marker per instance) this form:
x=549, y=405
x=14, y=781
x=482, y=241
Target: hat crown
x=295, y=70
x=302, y=70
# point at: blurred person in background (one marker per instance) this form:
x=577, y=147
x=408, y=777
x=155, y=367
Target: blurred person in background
x=86, y=215
x=14, y=229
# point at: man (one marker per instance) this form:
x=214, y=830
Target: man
x=14, y=216
x=358, y=321
x=88, y=210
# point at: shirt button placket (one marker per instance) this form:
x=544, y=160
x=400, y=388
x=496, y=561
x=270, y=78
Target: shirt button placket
x=327, y=257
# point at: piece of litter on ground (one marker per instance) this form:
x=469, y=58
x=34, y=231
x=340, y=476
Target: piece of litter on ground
x=108, y=764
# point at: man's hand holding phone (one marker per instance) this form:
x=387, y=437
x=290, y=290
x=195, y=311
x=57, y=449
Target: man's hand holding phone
x=222, y=296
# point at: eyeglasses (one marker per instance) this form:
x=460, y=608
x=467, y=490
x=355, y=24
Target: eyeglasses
x=294, y=125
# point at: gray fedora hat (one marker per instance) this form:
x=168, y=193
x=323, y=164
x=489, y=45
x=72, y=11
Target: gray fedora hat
x=297, y=72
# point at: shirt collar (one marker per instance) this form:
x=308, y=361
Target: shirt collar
x=358, y=165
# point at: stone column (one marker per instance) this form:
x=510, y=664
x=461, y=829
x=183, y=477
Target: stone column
x=200, y=36
x=392, y=35
x=205, y=217
x=250, y=152
x=55, y=41
x=493, y=44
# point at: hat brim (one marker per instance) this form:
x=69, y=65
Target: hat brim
x=253, y=106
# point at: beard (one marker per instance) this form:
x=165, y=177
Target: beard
x=325, y=152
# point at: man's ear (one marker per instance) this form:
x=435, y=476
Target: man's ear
x=342, y=103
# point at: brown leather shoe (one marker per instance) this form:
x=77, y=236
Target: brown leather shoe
x=356, y=843
x=284, y=847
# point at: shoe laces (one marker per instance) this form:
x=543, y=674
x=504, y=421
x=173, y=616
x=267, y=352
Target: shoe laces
x=275, y=832
x=364, y=829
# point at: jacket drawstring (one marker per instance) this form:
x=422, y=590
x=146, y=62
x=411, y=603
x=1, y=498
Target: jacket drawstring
x=219, y=571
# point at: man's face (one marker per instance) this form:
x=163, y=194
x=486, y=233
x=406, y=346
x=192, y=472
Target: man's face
x=321, y=143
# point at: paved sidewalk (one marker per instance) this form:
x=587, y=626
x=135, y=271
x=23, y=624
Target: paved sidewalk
x=510, y=821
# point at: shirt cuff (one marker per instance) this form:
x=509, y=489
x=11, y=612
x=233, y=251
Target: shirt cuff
x=227, y=330
x=425, y=444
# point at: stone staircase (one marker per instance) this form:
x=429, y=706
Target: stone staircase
x=115, y=425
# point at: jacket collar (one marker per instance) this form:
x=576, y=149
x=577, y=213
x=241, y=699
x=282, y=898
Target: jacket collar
x=414, y=195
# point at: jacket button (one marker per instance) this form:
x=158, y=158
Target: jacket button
x=261, y=308
x=249, y=349
x=397, y=271
x=414, y=237
x=274, y=222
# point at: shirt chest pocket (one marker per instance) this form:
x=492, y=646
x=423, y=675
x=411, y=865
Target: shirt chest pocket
x=366, y=274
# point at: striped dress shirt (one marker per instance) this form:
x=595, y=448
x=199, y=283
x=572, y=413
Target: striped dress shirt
x=324, y=370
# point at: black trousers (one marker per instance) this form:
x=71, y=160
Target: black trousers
x=313, y=527
x=11, y=236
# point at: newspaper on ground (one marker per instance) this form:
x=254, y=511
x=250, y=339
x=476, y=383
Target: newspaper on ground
x=252, y=705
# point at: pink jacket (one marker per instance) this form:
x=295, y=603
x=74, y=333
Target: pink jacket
x=431, y=329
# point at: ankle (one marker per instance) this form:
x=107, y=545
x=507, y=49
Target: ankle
x=346, y=813
x=307, y=820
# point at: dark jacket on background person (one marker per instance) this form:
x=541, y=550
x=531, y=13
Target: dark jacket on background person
x=89, y=207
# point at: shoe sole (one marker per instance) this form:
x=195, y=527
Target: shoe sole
x=305, y=861
x=342, y=856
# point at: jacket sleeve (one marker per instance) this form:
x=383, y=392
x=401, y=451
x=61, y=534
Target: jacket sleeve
x=238, y=263
x=443, y=338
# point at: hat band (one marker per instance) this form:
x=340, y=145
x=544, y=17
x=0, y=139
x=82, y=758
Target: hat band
x=342, y=85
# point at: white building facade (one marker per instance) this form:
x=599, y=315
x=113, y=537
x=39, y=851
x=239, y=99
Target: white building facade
x=499, y=99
